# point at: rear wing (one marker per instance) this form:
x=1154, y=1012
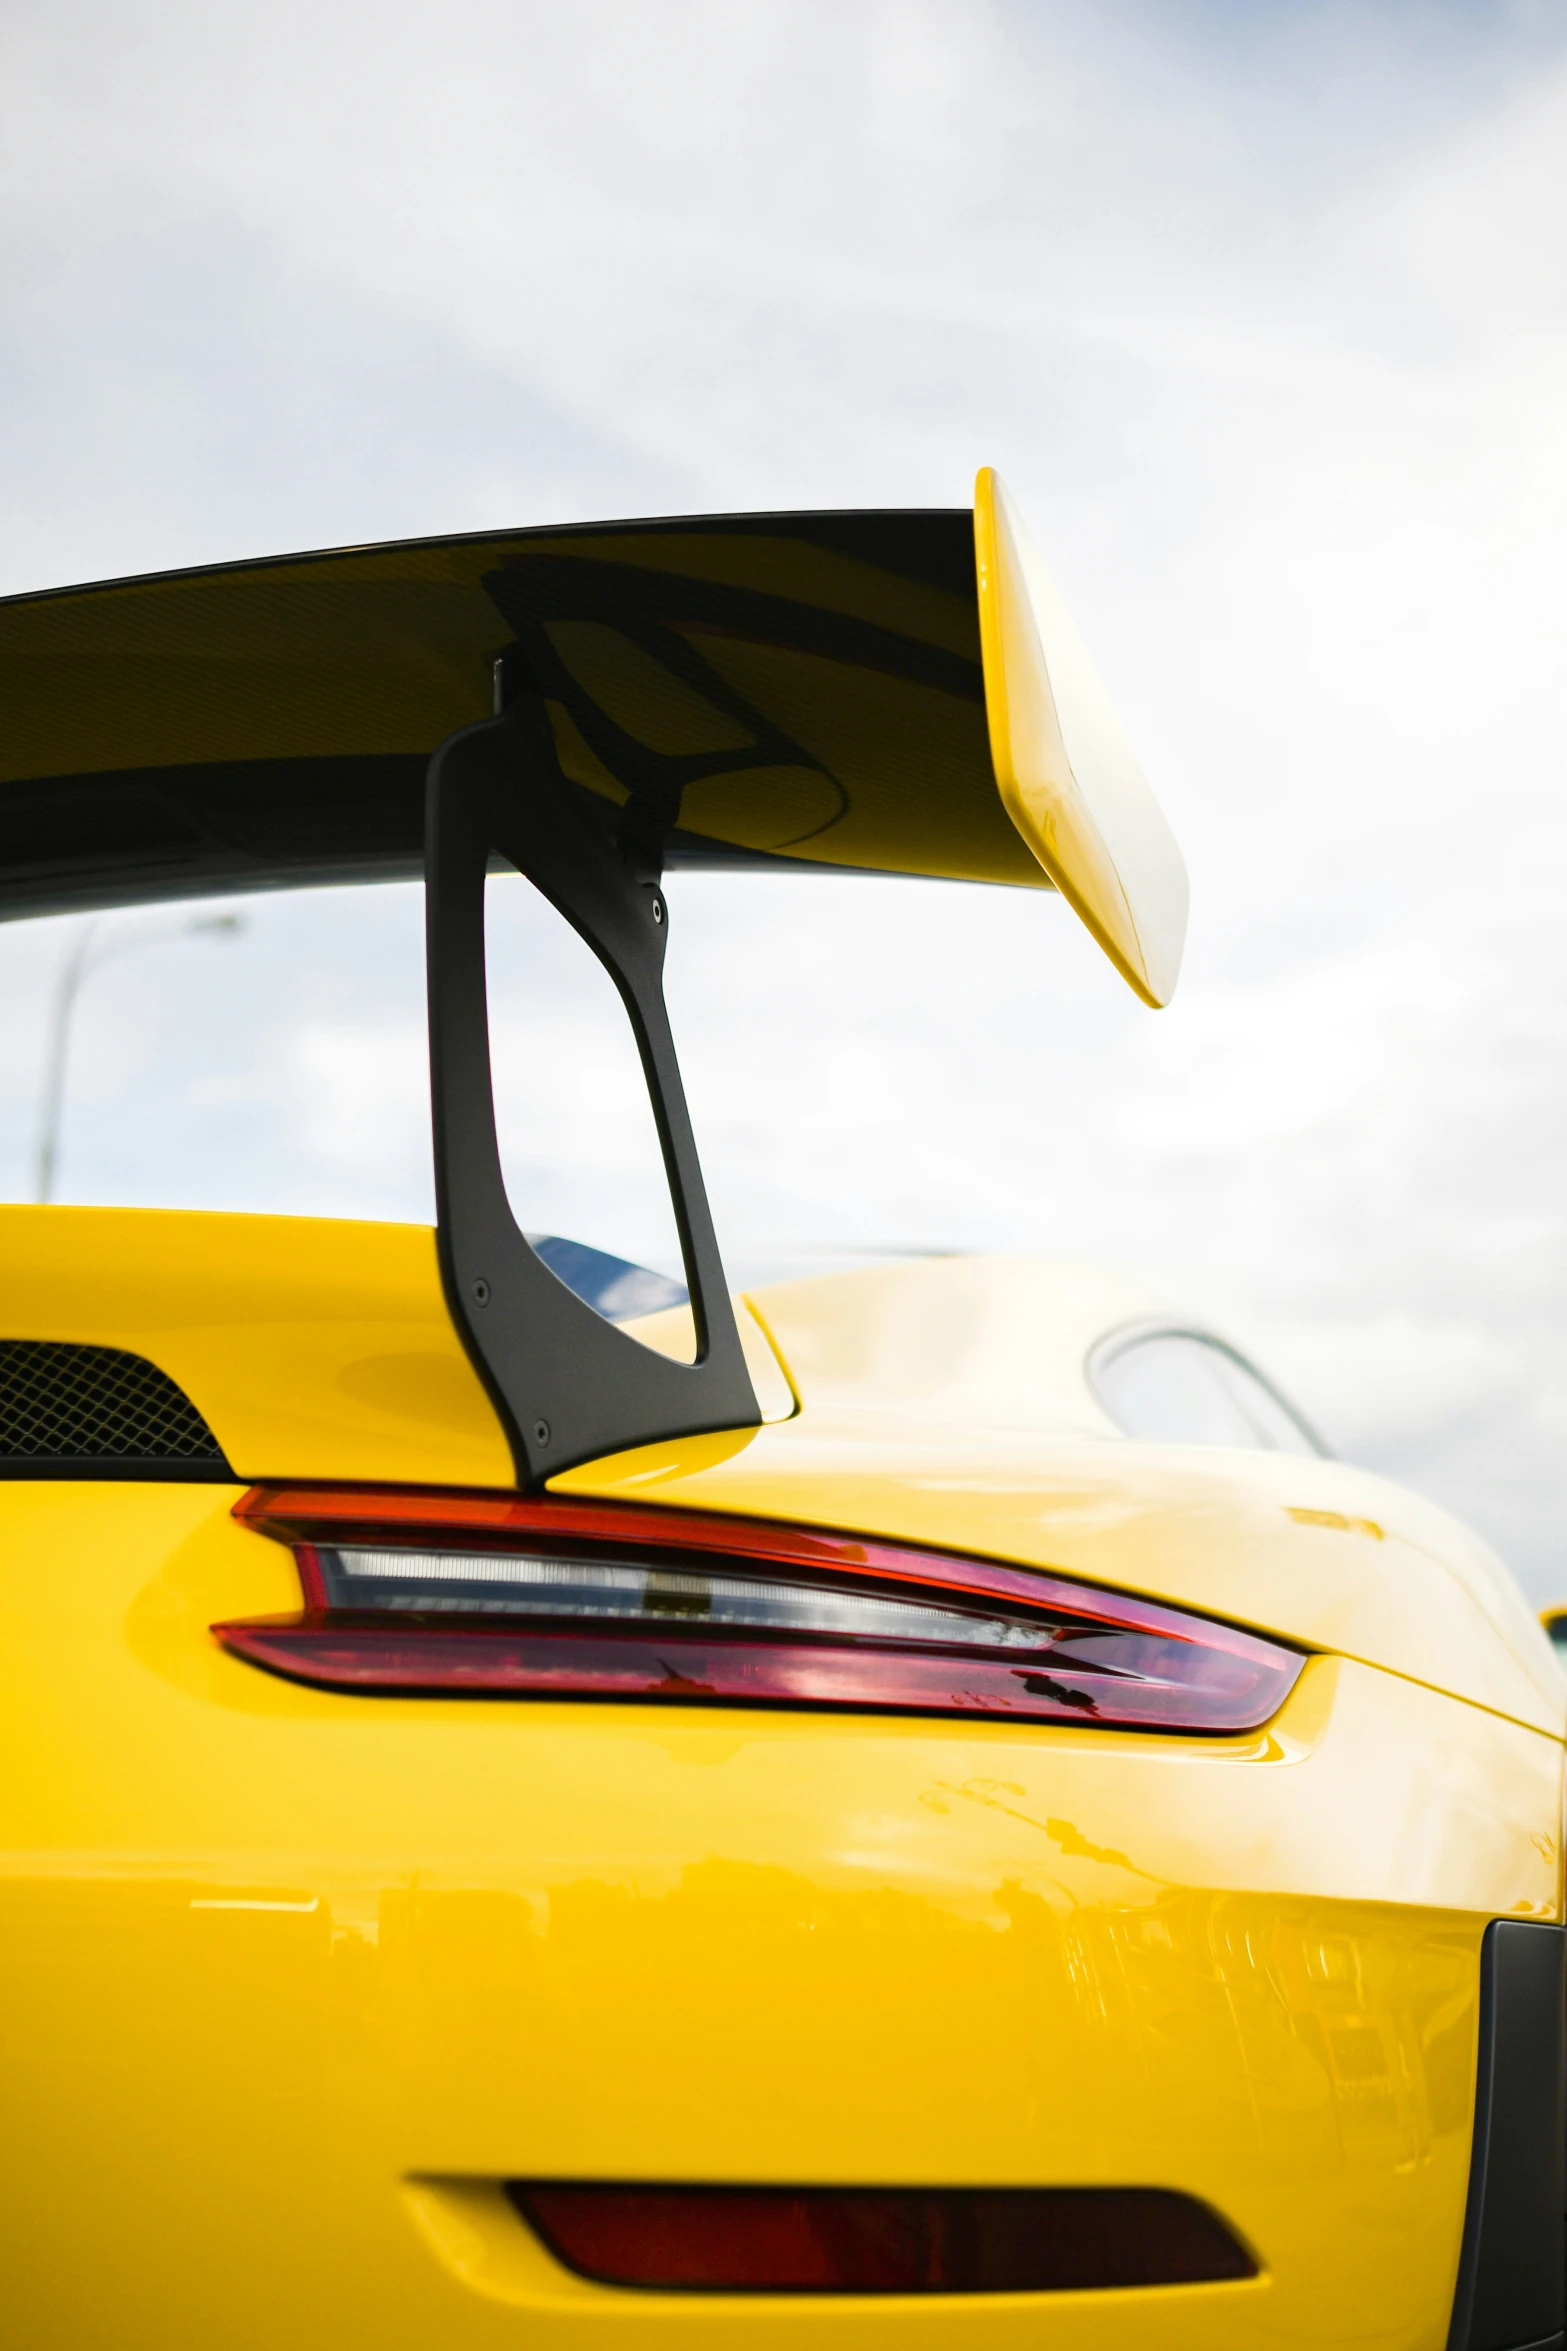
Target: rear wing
x=874, y=692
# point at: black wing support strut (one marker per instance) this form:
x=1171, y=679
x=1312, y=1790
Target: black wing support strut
x=569, y=1386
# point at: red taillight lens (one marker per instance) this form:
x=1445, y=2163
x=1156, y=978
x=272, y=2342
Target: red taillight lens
x=446, y=1594
x=880, y=2240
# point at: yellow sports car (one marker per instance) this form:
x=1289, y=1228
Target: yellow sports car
x=908, y=1807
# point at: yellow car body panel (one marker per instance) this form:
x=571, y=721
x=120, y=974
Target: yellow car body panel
x=320, y=1348
x=1275, y=1541
x=291, y=1981
x=313, y=1347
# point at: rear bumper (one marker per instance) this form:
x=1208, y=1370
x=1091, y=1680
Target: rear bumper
x=291, y=1982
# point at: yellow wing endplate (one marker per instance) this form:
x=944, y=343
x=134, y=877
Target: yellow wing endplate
x=1065, y=771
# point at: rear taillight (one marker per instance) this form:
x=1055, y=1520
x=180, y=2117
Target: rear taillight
x=881, y=2240
x=453, y=1594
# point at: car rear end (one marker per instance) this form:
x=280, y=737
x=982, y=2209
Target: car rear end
x=523, y=1829
x=417, y=1927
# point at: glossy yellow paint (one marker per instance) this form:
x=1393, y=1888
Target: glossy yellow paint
x=321, y=1349
x=1067, y=775
x=1267, y=1540
x=905, y=1430
x=289, y=1981
x=315, y=1348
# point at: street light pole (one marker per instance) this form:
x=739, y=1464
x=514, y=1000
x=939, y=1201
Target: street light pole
x=77, y=963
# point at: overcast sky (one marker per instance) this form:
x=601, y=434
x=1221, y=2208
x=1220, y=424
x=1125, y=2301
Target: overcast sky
x=1262, y=313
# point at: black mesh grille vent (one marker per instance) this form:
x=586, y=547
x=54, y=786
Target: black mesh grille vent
x=97, y=1411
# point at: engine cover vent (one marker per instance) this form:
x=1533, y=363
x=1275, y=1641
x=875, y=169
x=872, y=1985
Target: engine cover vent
x=97, y=1412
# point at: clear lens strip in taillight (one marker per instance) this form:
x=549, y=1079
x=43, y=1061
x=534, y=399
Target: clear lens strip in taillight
x=642, y=1591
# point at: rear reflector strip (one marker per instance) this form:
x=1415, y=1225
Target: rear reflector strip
x=881, y=2240
x=553, y=1599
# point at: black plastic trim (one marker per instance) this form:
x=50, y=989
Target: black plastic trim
x=569, y=1386
x=1511, y=2288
